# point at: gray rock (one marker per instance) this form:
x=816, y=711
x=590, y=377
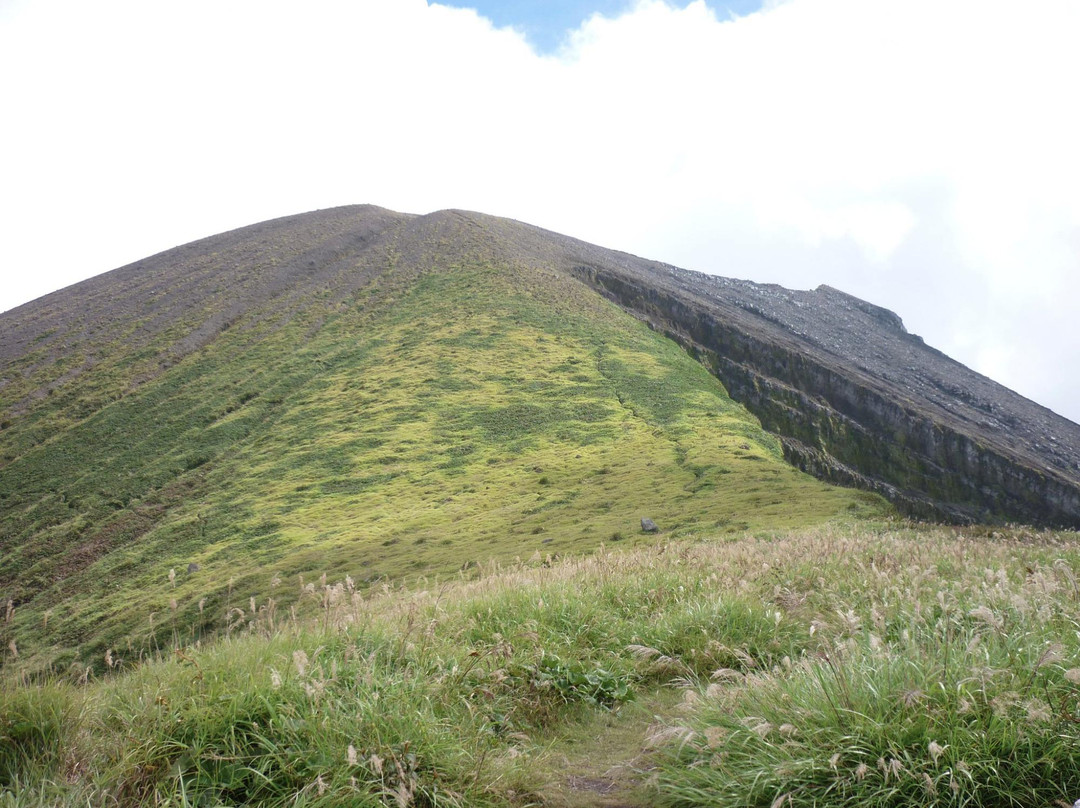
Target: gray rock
x=648, y=525
x=857, y=400
x=193, y=567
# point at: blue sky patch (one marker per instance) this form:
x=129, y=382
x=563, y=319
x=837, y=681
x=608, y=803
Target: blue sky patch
x=545, y=23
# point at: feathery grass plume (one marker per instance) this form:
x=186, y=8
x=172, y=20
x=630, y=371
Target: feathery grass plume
x=986, y=615
x=936, y=750
x=300, y=662
x=1053, y=654
x=929, y=785
x=930, y=670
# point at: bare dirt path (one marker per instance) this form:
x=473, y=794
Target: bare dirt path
x=604, y=761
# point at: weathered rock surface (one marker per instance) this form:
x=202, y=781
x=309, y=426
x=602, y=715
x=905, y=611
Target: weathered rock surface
x=859, y=401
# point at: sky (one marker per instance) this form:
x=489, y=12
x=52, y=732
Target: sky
x=920, y=154
x=547, y=24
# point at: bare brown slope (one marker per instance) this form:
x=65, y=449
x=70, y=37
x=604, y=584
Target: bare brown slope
x=856, y=399
x=179, y=299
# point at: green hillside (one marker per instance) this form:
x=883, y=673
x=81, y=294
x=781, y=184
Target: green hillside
x=439, y=418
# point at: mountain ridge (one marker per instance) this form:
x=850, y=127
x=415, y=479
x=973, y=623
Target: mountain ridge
x=961, y=448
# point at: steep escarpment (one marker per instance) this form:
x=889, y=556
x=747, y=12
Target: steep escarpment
x=859, y=401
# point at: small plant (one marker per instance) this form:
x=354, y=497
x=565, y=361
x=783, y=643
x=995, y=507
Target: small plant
x=575, y=682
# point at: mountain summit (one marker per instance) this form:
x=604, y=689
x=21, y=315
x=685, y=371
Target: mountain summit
x=364, y=393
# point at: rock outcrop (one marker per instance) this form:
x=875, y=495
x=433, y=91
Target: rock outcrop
x=857, y=400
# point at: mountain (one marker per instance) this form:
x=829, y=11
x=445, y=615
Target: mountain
x=366, y=393
x=346, y=393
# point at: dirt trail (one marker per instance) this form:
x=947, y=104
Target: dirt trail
x=604, y=762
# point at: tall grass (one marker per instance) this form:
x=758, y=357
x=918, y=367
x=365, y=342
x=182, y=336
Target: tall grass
x=908, y=725
x=827, y=668
x=422, y=697
x=931, y=691
x=37, y=726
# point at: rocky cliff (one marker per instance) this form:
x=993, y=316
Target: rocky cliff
x=859, y=401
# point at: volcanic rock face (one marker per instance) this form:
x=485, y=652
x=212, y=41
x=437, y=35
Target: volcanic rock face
x=859, y=401
x=855, y=398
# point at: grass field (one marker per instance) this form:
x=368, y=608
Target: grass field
x=833, y=666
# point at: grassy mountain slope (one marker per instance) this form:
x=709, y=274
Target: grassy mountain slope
x=427, y=404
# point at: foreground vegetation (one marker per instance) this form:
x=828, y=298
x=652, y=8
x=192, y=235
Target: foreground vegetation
x=824, y=667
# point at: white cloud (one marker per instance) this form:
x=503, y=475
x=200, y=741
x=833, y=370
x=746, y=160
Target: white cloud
x=920, y=153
